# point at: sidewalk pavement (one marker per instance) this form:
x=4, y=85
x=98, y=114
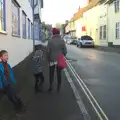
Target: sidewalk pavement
x=41, y=106
x=108, y=49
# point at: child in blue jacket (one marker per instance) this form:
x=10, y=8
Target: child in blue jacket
x=7, y=81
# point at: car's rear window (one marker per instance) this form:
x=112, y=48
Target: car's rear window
x=86, y=38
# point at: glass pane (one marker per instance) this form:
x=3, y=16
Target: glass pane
x=14, y=19
x=1, y=1
x=15, y=28
x=2, y=11
x=12, y=27
x=24, y=25
x=116, y=33
x=23, y=18
x=116, y=25
x=2, y=24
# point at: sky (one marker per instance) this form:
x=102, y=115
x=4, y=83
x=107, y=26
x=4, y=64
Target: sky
x=57, y=11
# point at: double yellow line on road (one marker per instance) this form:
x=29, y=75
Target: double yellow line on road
x=100, y=113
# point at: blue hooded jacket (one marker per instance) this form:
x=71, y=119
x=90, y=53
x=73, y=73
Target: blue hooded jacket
x=3, y=81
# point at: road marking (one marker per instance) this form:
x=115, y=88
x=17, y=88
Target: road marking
x=88, y=94
x=78, y=98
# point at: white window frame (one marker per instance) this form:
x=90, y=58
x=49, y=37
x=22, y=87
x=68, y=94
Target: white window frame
x=35, y=2
x=117, y=30
x=15, y=19
x=29, y=29
x=24, y=26
x=100, y=33
x=103, y=32
x=3, y=16
x=117, y=6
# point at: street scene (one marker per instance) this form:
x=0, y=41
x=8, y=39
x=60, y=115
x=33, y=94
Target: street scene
x=59, y=59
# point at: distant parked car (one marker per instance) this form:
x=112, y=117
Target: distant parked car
x=85, y=41
x=66, y=38
x=73, y=42
x=69, y=41
x=74, y=38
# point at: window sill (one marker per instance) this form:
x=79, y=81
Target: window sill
x=3, y=32
x=16, y=35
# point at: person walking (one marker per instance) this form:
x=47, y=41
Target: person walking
x=55, y=47
x=7, y=81
x=38, y=68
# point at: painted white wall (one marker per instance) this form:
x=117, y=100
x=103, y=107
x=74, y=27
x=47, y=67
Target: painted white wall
x=112, y=19
x=103, y=21
x=78, y=28
x=91, y=22
x=93, y=19
x=17, y=47
x=96, y=17
x=25, y=5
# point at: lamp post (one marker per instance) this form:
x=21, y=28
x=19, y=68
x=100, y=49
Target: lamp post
x=33, y=8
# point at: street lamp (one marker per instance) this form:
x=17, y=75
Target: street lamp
x=33, y=9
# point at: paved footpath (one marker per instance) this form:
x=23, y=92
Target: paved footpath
x=42, y=106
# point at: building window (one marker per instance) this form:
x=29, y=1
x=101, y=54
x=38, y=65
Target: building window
x=15, y=19
x=35, y=2
x=118, y=30
x=2, y=15
x=28, y=29
x=103, y=32
x=31, y=31
x=116, y=4
x=31, y=2
x=100, y=32
x=36, y=30
x=24, y=25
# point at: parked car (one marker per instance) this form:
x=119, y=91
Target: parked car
x=69, y=41
x=73, y=42
x=66, y=38
x=85, y=41
x=74, y=38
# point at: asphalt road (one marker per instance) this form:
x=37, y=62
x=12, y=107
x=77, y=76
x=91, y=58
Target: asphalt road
x=101, y=73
